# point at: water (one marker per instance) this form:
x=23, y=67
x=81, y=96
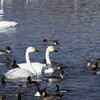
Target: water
x=76, y=23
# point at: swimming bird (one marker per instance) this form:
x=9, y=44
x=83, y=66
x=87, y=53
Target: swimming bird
x=61, y=90
x=45, y=41
x=20, y=94
x=7, y=24
x=43, y=93
x=31, y=83
x=6, y=62
x=5, y=52
x=17, y=73
x=55, y=78
x=14, y=65
x=20, y=88
x=91, y=65
x=39, y=67
x=3, y=82
x=48, y=97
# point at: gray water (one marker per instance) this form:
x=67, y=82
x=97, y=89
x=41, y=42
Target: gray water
x=76, y=23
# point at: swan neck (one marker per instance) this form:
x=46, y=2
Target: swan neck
x=29, y=65
x=27, y=58
x=48, y=62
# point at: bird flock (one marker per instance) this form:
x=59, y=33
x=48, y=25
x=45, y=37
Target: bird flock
x=30, y=71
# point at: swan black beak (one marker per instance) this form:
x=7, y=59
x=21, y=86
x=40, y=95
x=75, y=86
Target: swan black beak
x=55, y=51
x=37, y=50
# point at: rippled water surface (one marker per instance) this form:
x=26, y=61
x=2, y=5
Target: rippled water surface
x=76, y=23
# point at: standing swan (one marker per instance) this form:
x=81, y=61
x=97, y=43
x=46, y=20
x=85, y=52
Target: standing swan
x=39, y=67
x=20, y=72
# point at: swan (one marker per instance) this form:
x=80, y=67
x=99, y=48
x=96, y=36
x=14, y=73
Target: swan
x=22, y=73
x=39, y=67
x=6, y=24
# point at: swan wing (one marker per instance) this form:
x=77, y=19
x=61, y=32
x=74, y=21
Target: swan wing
x=18, y=73
x=38, y=67
x=42, y=68
x=23, y=65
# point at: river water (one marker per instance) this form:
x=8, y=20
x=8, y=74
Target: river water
x=76, y=23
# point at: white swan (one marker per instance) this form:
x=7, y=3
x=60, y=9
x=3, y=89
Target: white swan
x=39, y=67
x=22, y=73
x=6, y=24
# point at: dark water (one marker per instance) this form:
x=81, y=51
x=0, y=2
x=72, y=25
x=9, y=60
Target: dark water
x=76, y=23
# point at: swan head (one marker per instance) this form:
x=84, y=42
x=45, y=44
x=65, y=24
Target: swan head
x=51, y=49
x=31, y=49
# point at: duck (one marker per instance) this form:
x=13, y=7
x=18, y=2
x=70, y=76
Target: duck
x=43, y=93
x=31, y=83
x=55, y=42
x=60, y=90
x=7, y=24
x=20, y=88
x=3, y=82
x=41, y=68
x=5, y=52
x=6, y=62
x=18, y=73
x=20, y=94
x=55, y=78
x=46, y=96
x=14, y=65
x=91, y=65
